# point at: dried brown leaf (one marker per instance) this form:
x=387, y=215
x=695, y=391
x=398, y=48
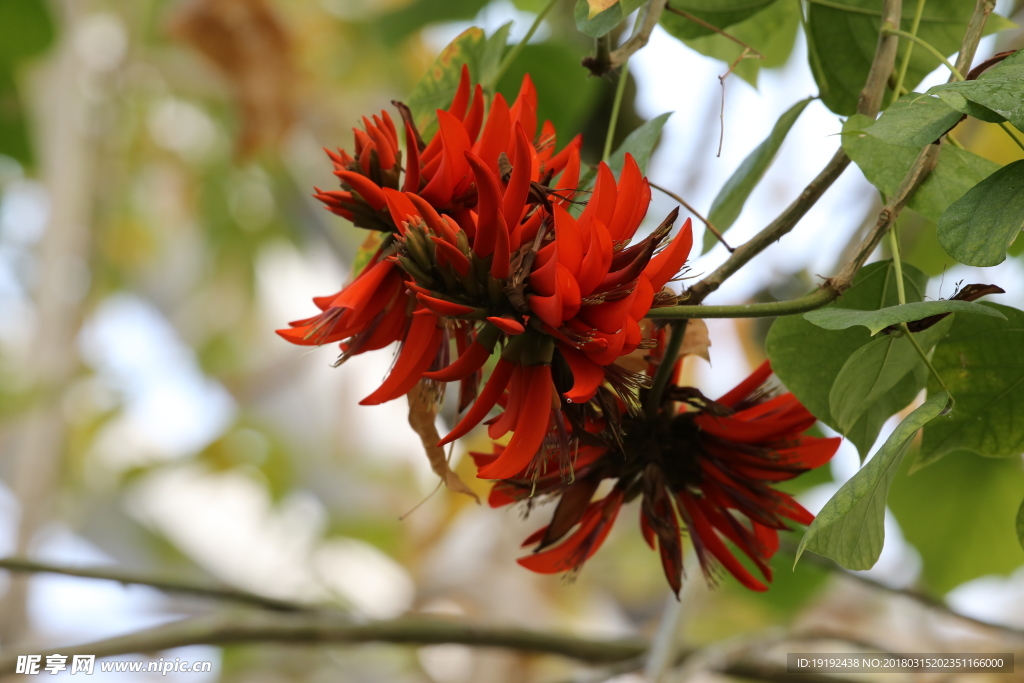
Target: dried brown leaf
x=696, y=341
x=250, y=47
x=422, y=413
x=598, y=6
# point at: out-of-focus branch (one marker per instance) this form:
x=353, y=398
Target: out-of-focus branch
x=907, y=593
x=21, y=565
x=256, y=627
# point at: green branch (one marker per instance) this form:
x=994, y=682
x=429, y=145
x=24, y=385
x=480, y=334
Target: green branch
x=816, y=299
x=663, y=375
x=898, y=90
x=926, y=45
x=613, y=121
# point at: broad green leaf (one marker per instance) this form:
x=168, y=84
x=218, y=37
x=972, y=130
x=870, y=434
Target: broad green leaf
x=978, y=228
x=874, y=370
x=438, y=86
x=14, y=133
x=603, y=21
x=733, y=195
x=640, y=143
x=26, y=29
x=771, y=32
x=595, y=7
x=395, y=26
x=959, y=516
x=885, y=166
x=553, y=65
x=807, y=358
x=850, y=528
x=914, y=120
x=718, y=13
x=981, y=363
x=843, y=35
x=999, y=90
x=876, y=321
x=1020, y=524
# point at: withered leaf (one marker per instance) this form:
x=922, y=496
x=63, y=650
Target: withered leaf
x=967, y=293
x=422, y=413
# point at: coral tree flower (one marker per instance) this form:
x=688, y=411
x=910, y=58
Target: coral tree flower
x=482, y=248
x=708, y=468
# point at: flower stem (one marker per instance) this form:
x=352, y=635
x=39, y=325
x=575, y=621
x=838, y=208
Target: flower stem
x=897, y=91
x=1009, y=132
x=926, y=45
x=613, y=122
x=514, y=52
x=663, y=375
x=901, y=292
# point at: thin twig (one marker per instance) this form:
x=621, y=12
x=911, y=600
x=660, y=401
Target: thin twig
x=711, y=228
x=868, y=103
x=771, y=233
x=910, y=594
x=711, y=27
x=17, y=564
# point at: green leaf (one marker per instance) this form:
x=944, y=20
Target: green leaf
x=438, y=86
x=873, y=370
x=876, y=321
x=1020, y=524
x=553, y=65
x=733, y=195
x=771, y=32
x=807, y=358
x=959, y=516
x=719, y=13
x=26, y=29
x=395, y=26
x=605, y=21
x=844, y=34
x=981, y=363
x=885, y=166
x=978, y=228
x=914, y=120
x=999, y=91
x=640, y=143
x=850, y=528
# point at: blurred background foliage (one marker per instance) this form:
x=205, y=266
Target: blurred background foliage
x=156, y=162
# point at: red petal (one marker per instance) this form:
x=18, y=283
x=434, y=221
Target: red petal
x=442, y=307
x=519, y=183
x=748, y=386
x=488, y=397
x=524, y=110
x=366, y=188
x=587, y=376
x=496, y=134
x=509, y=326
x=531, y=427
x=667, y=264
x=418, y=352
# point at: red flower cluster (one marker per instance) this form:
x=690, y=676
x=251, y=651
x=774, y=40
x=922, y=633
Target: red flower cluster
x=708, y=467
x=483, y=249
